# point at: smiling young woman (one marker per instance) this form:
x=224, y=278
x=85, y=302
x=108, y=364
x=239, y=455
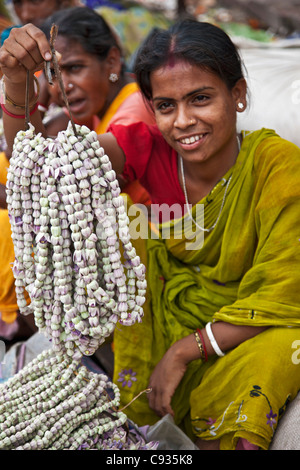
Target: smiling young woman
x=220, y=320
x=199, y=122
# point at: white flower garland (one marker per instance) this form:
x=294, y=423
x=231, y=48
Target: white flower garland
x=56, y=404
x=68, y=220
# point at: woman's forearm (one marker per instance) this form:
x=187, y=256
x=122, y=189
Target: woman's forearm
x=227, y=336
x=13, y=124
x=24, y=51
x=170, y=370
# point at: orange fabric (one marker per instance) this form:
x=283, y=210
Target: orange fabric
x=4, y=164
x=8, y=301
x=8, y=305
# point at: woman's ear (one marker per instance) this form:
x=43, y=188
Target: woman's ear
x=239, y=93
x=114, y=61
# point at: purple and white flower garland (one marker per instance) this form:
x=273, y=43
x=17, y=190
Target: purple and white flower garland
x=68, y=221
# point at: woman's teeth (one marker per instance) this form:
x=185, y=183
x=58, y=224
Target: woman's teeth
x=191, y=140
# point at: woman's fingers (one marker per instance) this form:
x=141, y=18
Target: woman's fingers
x=166, y=376
x=26, y=46
x=161, y=394
x=29, y=46
x=161, y=404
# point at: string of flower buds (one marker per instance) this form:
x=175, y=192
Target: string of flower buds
x=56, y=404
x=68, y=220
x=69, y=225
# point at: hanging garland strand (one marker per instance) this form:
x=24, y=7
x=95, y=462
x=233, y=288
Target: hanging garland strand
x=69, y=225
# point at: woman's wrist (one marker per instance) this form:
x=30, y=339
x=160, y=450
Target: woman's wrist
x=13, y=95
x=201, y=344
x=18, y=116
x=186, y=349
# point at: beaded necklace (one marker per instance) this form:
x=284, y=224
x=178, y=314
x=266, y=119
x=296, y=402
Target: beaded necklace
x=227, y=183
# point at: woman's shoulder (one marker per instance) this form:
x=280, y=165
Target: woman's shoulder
x=276, y=166
x=271, y=150
x=139, y=134
x=143, y=146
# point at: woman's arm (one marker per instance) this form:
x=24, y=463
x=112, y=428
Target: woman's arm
x=171, y=368
x=25, y=49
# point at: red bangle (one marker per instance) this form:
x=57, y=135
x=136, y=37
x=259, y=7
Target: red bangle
x=203, y=343
x=18, y=116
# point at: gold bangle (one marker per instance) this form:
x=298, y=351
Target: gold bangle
x=5, y=97
x=200, y=345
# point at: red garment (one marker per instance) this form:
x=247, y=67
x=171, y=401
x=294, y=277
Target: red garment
x=151, y=160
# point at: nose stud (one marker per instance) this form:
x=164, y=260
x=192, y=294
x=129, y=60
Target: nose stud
x=70, y=86
x=185, y=123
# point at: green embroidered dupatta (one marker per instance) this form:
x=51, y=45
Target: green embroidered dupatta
x=246, y=272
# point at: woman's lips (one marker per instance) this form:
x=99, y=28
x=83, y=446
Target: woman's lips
x=77, y=106
x=192, y=141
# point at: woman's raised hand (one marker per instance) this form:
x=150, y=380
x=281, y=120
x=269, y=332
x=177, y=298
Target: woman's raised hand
x=26, y=48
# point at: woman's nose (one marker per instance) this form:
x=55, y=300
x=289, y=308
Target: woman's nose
x=184, y=119
x=27, y=13
x=69, y=86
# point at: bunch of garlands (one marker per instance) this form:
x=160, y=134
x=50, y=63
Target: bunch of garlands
x=74, y=256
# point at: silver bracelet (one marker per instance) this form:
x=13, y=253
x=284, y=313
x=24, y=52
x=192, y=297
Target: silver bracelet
x=213, y=341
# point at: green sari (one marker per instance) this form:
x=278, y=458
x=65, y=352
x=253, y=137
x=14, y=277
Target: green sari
x=246, y=272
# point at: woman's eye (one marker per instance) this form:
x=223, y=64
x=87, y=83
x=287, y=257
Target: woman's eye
x=165, y=106
x=200, y=98
x=75, y=68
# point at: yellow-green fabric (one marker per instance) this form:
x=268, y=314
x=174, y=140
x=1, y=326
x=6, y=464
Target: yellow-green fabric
x=246, y=272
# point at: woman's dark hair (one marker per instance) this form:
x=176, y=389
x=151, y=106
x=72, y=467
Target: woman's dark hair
x=202, y=44
x=88, y=28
